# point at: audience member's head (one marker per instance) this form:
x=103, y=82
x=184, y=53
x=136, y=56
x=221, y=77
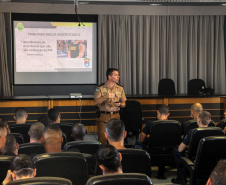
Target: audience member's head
x=11, y=146
x=203, y=119
x=54, y=115
x=78, y=132
x=22, y=167
x=218, y=175
x=225, y=114
x=52, y=138
x=35, y=132
x=3, y=134
x=196, y=108
x=115, y=133
x=20, y=115
x=5, y=123
x=163, y=112
x=109, y=159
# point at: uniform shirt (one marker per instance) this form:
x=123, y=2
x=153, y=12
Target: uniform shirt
x=108, y=104
x=147, y=127
x=187, y=138
x=75, y=50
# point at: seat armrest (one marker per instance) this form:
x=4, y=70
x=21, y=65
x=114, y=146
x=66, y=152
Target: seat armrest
x=187, y=161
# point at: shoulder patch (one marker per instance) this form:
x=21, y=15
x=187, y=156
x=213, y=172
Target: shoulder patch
x=100, y=84
x=96, y=89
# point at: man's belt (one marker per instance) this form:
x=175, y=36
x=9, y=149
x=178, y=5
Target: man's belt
x=105, y=112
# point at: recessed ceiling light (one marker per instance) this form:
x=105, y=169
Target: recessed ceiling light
x=223, y=4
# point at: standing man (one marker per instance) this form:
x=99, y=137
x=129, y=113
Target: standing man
x=110, y=97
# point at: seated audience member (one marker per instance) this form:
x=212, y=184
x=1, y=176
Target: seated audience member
x=35, y=132
x=54, y=116
x=115, y=133
x=11, y=146
x=5, y=123
x=109, y=159
x=162, y=114
x=203, y=120
x=196, y=108
x=20, y=168
x=218, y=175
x=78, y=132
x=3, y=134
x=20, y=115
x=52, y=139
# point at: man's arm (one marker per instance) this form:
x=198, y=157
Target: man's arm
x=81, y=49
x=100, y=100
x=143, y=136
x=182, y=147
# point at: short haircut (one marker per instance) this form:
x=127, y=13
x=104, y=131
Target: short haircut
x=20, y=113
x=53, y=114
x=78, y=131
x=36, y=130
x=108, y=156
x=163, y=109
x=10, y=144
x=115, y=129
x=205, y=117
x=197, y=107
x=218, y=175
x=22, y=165
x=52, y=130
x=110, y=71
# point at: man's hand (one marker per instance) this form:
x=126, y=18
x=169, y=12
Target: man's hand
x=111, y=95
x=117, y=104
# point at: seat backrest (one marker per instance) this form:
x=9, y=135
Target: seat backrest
x=210, y=151
x=120, y=179
x=142, y=164
x=64, y=140
x=166, y=87
x=164, y=136
x=197, y=135
x=42, y=181
x=19, y=137
x=195, y=85
x=222, y=124
x=22, y=129
x=69, y=165
x=4, y=166
x=89, y=147
x=191, y=124
x=131, y=115
x=66, y=128
x=31, y=149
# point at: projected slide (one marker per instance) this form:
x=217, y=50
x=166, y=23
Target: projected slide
x=53, y=47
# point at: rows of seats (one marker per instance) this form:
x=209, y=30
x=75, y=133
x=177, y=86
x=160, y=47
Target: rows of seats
x=74, y=166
